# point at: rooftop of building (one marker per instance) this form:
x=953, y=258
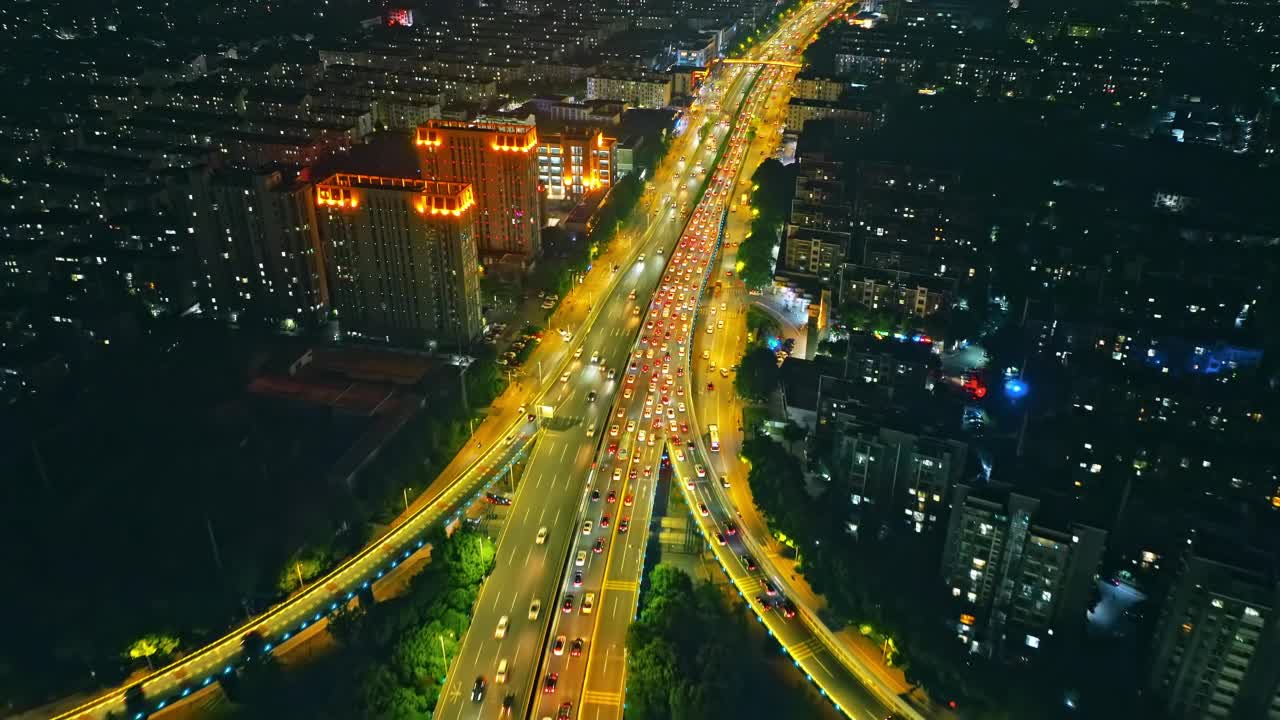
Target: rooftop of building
x=620, y=72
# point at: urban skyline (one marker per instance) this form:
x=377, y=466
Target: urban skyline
x=699, y=358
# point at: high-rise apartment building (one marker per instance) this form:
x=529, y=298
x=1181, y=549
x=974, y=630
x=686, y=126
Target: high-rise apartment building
x=1021, y=582
x=575, y=162
x=257, y=250
x=499, y=159
x=819, y=229
x=1216, y=647
x=403, y=261
x=903, y=470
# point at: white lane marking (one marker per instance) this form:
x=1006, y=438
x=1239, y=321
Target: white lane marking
x=496, y=598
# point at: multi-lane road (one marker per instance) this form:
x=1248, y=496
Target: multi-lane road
x=599, y=460
x=496, y=441
x=597, y=602
x=580, y=468
x=584, y=666
x=557, y=487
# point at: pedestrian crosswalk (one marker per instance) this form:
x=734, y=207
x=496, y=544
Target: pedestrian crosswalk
x=805, y=649
x=623, y=585
x=598, y=697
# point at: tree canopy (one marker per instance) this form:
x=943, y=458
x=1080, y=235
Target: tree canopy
x=758, y=374
x=689, y=657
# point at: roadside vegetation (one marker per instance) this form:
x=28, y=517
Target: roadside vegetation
x=392, y=657
x=772, y=185
x=690, y=655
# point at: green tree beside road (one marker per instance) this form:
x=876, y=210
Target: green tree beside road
x=772, y=186
x=152, y=646
x=888, y=587
x=689, y=657
x=393, y=655
x=758, y=374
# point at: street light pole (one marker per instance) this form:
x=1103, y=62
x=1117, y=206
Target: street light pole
x=462, y=381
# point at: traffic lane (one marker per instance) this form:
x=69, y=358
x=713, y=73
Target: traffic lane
x=165, y=683
x=512, y=587
x=799, y=641
x=631, y=554
x=629, y=414
x=576, y=624
x=571, y=625
x=551, y=703
x=546, y=467
x=604, y=630
x=715, y=497
x=556, y=455
x=622, y=577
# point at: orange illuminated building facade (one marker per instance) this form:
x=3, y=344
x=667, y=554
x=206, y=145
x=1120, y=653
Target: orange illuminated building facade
x=576, y=162
x=403, y=258
x=499, y=160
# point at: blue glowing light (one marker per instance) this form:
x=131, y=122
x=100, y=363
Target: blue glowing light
x=1015, y=388
x=774, y=343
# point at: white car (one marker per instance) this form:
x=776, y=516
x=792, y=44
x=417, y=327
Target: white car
x=580, y=561
x=535, y=608
x=595, y=357
x=501, y=632
x=586, y=527
x=565, y=377
x=542, y=536
x=701, y=471
x=578, y=353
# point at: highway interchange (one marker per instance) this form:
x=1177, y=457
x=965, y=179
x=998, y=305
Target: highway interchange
x=579, y=470
x=590, y=598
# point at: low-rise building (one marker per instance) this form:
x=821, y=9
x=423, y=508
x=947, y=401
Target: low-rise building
x=636, y=87
x=815, y=87
x=575, y=162
x=898, y=291
x=865, y=114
